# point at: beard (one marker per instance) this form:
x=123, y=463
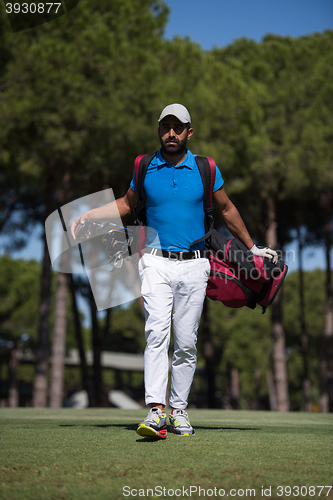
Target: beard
x=177, y=148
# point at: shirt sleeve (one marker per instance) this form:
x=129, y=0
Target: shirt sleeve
x=133, y=183
x=218, y=180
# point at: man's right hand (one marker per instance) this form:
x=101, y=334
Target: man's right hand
x=77, y=223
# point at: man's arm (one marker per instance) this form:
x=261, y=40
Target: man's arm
x=231, y=217
x=122, y=206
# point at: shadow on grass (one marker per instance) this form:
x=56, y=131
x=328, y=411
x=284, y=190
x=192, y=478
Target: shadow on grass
x=149, y=440
x=131, y=427
x=228, y=428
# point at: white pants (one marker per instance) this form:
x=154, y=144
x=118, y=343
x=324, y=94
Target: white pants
x=171, y=288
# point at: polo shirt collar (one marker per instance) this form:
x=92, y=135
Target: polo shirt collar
x=187, y=162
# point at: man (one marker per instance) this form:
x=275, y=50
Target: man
x=173, y=274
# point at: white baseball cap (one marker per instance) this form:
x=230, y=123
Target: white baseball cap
x=177, y=110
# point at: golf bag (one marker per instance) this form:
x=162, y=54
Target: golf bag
x=237, y=277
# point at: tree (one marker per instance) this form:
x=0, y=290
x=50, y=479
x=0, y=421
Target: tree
x=82, y=79
x=85, y=379
x=19, y=285
x=276, y=156
x=314, y=307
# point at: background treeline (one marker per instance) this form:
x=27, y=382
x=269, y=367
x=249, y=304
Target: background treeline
x=80, y=97
x=239, y=338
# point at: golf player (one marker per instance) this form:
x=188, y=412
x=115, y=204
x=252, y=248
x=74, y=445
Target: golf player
x=173, y=274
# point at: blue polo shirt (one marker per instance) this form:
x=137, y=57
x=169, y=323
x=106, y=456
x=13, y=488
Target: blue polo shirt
x=174, y=203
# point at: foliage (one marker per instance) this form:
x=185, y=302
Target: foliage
x=286, y=154
x=241, y=337
x=19, y=294
x=314, y=291
x=19, y=301
x=78, y=97
x=127, y=329
x=81, y=95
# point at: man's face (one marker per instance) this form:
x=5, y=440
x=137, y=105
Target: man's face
x=173, y=135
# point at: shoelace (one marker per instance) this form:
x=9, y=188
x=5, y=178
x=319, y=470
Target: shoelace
x=153, y=414
x=181, y=417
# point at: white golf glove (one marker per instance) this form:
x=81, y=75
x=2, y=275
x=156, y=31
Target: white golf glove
x=265, y=252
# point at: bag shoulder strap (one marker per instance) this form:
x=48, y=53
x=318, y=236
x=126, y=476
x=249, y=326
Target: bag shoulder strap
x=207, y=169
x=141, y=165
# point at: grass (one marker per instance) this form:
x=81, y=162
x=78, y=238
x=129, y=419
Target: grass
x=93, y=454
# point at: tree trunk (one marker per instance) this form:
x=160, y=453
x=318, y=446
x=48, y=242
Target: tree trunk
x=208, y=354
x=235, y=383
x=278, y=335
x=97, y=351
x=257, y=377
x=107, y=326
x=304, y=336
x=60, y=322
x=85, y=380
x=279, y=356
x=13, y=397
x=273, y=402
x=59, y=343
x=326, y=362
x=226, y=398
x=231, y=393
x=40, y=380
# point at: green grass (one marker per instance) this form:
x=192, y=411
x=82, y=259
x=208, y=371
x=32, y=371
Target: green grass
x=92, y=454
